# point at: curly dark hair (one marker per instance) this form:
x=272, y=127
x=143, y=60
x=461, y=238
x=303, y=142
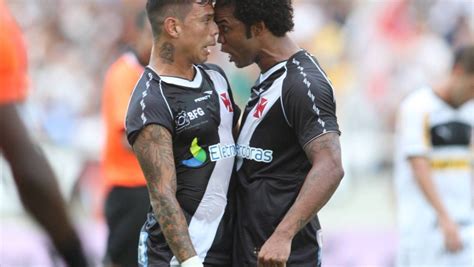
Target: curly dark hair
x=277, y=15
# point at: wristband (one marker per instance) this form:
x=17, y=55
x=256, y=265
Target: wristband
x=192, y=262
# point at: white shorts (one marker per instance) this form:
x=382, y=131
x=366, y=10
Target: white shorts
x=427, y=249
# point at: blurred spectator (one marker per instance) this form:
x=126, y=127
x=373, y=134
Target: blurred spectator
x=433, y=170
x=127, y=200
x=35, y=180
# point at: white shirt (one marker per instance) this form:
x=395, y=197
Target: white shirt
x=428, y=126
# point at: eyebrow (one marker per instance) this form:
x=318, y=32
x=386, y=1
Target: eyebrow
x=205, y=16
x=224, y=20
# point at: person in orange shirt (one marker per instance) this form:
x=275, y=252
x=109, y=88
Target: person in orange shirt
x=127, y=201
x=34, y=178
x=13, y=66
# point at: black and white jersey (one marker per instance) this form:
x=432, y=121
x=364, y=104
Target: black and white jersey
x=291, y=105
x=200, y=114
x=428, y=127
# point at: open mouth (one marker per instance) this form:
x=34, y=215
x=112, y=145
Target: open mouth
x=207, y=49
x=229, y=55
x=231, y=58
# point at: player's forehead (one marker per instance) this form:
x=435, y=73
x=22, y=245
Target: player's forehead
x=225, y=14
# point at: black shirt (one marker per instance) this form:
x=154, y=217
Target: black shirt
x=291, y=104
x=200, y=116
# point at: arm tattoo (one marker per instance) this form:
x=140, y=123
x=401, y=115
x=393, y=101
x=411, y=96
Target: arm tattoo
x=167, y=52
x=329, y=141
x=154, y=150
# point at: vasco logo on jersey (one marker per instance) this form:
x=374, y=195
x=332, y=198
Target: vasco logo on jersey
x=260, y=108
x=226, y=101
x=199, y=156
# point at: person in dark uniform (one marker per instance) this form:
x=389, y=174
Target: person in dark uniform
x=180, y=124
x=288, y=152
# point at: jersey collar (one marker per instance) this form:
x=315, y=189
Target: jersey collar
x=195, y=83
x=268, y=73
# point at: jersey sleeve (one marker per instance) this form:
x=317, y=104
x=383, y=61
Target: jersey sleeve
x=309, y=106
x=147, y=106
x=412, y=129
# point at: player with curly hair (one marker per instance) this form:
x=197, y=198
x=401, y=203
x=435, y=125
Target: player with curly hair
x=288, y=152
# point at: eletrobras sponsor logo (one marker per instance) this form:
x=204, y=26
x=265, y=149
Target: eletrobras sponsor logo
x=219, y=151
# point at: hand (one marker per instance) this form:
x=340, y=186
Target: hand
x=275, y=252
x=452, y=239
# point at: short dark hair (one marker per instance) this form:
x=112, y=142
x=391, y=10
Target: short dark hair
x=277, y=15
x=464, y=57
x=158, y=10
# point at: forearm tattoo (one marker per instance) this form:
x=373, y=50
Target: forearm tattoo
x=154, y=150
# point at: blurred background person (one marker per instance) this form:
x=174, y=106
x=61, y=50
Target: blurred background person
x=127, y=200
x=35, y=180
x=434, y=171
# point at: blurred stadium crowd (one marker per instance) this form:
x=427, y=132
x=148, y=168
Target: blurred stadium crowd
x=374, y=51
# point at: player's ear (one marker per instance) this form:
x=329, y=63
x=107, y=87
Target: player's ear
x=257, y=29
x=172, y=27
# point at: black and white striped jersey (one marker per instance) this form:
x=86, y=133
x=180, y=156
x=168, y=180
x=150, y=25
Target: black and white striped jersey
x=290, y=105
x=200, y=114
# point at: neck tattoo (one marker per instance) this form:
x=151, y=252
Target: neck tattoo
x=167, y=52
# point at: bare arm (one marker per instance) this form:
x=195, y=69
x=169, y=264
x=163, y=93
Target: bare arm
x=37, y=186
x=318, y=187
x=154, y=150
x=422, y=172
x=320, y=183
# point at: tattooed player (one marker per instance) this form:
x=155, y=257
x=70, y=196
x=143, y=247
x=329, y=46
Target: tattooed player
x=179, y=123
